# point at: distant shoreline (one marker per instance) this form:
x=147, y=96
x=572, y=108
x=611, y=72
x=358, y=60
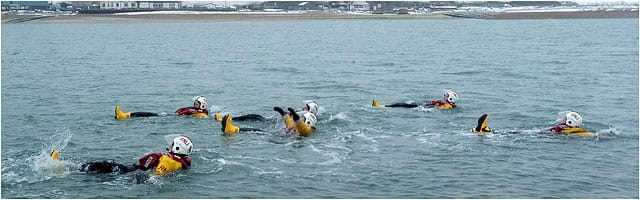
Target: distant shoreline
x=566, y=15
x=238, y=16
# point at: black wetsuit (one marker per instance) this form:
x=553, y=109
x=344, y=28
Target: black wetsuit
x=249, y=117
x=106, y=167
x=250, y=130
x=144, y=114
x=403, y=105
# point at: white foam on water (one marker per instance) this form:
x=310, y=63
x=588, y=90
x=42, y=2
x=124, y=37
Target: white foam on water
x=342, y=116
x=608, y=133
x=43, y=166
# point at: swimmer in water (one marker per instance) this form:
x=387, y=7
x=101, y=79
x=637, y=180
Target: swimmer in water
x=161, y=163
x=449, y=102
x=569, y=123
x=199, y=109
x=309, y=110
x=303, y=126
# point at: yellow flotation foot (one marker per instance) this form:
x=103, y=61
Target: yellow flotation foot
x=482, y=128
x=218, y=117
x=227, y=127
x=375, y=104
x=55, y=154
x=120, y=114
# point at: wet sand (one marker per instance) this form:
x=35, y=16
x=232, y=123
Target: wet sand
x=11, y=18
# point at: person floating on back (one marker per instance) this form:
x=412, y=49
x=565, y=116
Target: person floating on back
x=309, y=111
x=161, y=163
x=569, y=123
x=304, y=126
x=199, y=109
x=309, y=106
x=449, y=102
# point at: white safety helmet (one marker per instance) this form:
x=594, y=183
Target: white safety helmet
x=451, y=96
x=313, y=107
x=181, y=145
x=310, y=119
x=573, y=119
x=203, y=102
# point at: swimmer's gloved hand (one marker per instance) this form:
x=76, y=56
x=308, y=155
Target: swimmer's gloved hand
x=279, y=110
x=294, y=115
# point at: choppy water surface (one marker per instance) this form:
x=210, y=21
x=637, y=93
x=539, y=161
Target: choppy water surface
x=61, y=82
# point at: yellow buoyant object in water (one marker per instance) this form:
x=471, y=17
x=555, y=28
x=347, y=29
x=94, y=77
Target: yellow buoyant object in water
x=199, y=115
x=167, y=165
x=445, y=106
x=577, y=131
x=227, y=127
x=303, y=129
x=481, y=128
x=55, y=154
x=375, y=104
x=218, y=117
x=120, y=114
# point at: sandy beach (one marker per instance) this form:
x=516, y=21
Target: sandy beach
x=243, y=16
x=207, y=17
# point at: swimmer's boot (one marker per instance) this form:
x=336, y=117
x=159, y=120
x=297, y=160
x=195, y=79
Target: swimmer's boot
x=376, y=105
x=227, y=127
x=294, y=115
x=482, y=128
x=279, y=110
x=120, y=114
x=55, y=154
x=218, y=117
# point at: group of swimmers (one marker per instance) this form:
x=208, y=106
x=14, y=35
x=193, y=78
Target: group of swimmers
x=177, y=158
x=299, y=122
x=568, y=123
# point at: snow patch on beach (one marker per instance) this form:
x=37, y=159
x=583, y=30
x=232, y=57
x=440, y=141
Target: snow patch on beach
x=547, y=10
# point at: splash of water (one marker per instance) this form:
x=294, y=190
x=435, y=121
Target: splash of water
x=339, y=116
x=610, y=132
x=60, y=139
x=425, y=109
x=43, y=166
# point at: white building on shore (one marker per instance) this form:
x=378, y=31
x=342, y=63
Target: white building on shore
x=358, y=6
x=119, y=5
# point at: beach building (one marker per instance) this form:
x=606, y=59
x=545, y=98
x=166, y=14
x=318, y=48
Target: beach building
x=313, y=6
x=86, y=5
x=129, y=5
x=118, y=5
x=168, y=5
x=358, y=6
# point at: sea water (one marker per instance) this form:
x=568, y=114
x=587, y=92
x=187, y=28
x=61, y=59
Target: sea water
x=62, y=81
